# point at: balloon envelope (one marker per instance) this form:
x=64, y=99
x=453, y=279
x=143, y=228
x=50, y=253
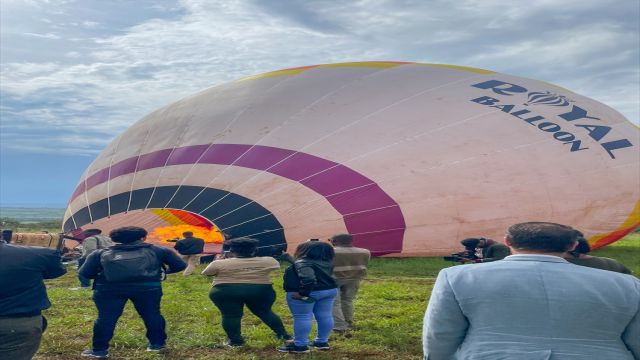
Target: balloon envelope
x=409, y=158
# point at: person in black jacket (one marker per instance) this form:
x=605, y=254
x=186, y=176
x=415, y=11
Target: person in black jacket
x=190, y=249
x=311, y=289
x=23, y=296
x=130, y=270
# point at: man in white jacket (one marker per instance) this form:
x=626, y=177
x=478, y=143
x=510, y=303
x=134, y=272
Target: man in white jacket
x=533, y=305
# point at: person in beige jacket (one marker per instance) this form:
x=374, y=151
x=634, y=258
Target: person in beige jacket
x=243, y=280
x=349, y=268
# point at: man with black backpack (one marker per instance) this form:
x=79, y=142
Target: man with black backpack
x=130, y=270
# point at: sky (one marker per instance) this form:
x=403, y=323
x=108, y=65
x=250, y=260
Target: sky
x=74, y=74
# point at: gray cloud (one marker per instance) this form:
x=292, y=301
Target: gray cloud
x=94, y=67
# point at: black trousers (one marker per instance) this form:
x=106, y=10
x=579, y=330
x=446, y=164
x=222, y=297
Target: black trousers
x=110, y=304
x=259, y=298
x=20, y=337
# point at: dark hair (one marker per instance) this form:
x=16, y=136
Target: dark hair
x=278, y=249
x=127, y=234
x=315, y=250
x=471, y=243
x=342, y=239
x=243, y=247
x=541, y=236
x=187, y=233
x=583, y=246
x=90, y=232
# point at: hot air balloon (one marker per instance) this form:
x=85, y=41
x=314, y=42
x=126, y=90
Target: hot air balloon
x=408, y=157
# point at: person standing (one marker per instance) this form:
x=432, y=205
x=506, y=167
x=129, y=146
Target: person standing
x=310, y=288
x=349, y=268
x=93, y=241
x=533, y=305
x=190, y=249
x=130, y=270
x=243, y=279
x=23, y=296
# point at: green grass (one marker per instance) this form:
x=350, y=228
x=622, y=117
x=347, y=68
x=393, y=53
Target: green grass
x=389, y=311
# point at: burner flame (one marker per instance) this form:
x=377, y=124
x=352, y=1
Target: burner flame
x=164, y=234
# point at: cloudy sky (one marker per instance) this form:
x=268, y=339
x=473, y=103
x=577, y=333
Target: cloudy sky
x=74, y=74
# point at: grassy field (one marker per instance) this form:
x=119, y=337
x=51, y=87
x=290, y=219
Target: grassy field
x=389, y=311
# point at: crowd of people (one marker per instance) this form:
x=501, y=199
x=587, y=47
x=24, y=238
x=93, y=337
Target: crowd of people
x=526, y=300
x=129, y=269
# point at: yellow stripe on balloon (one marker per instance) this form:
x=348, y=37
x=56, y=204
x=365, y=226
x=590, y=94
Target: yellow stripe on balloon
x=458, y=67
x=167, y=216
x=631, y=223
x=368, y=64
x=284, y=72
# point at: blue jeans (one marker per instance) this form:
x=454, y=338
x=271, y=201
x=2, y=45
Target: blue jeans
x=110, y=303
x=303, y=314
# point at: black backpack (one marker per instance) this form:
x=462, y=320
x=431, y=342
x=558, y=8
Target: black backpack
x=136, y=265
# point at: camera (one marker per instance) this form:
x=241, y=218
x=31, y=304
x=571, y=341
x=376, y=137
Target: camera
x=469, y=254
x=461, y=257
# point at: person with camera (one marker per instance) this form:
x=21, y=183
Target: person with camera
x=579, y=256
x=311, y=289
x=130, y=270
x=23, y=296
x=489, y=250
x=533, y=305
x=242, y=279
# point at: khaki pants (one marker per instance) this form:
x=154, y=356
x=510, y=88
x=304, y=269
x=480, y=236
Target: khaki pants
x=343, y=304
x=20, y=337
x=192, y=261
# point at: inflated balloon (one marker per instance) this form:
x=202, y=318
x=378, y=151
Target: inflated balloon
x=409, y=158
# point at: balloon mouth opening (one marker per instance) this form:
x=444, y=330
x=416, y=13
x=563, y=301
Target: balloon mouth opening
x=178, y=222
x=164, y=226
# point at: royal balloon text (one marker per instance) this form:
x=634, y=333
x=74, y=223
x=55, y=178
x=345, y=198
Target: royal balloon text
x=577, y=116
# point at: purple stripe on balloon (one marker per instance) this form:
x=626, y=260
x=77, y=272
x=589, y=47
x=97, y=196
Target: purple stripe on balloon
x=223, y=154
x=364, y=198
x=187, y=155
x=124, y=167
x=367, y=210
x=301, y=166
x=98, y=178
x=262, y=157
x=79, y=190
x=325, y=183
x=153, y=160
x=374, y=220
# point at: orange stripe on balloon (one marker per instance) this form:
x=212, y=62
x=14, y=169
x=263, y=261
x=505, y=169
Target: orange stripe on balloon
x=632, y=223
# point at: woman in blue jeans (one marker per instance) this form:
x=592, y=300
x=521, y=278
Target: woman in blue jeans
x=311, y=289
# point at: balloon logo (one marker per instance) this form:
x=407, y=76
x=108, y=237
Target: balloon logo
x=547, y=98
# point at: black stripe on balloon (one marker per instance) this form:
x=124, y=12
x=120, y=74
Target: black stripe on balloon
x=248, y=219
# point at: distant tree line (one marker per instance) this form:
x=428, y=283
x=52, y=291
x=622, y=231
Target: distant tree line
x=30, y=226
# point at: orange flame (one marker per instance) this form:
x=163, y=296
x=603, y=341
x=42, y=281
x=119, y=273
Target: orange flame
x=164, y=234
